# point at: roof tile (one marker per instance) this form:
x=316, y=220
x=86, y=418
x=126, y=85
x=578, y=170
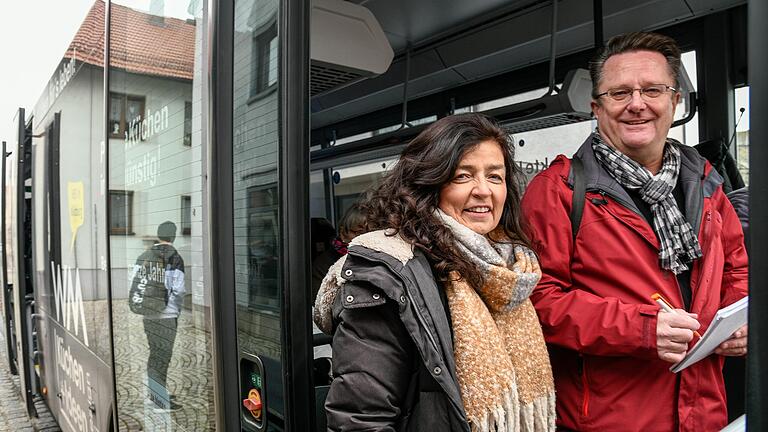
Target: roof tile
x=139, y=42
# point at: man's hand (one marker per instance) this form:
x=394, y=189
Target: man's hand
x=736, y=345
x=673, y=332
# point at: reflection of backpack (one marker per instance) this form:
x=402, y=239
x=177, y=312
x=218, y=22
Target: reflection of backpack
x=148, y=294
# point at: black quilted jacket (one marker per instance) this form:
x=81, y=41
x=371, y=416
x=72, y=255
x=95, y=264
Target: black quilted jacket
x=393, y=361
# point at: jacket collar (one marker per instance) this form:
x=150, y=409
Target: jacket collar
x=391, y=250
x=697, y=178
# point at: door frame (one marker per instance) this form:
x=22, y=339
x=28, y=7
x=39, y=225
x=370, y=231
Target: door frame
x=293, y=39
x=293, y=174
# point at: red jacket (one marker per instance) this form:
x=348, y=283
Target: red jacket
x=594, y=299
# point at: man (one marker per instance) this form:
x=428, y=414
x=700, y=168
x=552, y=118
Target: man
x=655, y=219
x=160, y=328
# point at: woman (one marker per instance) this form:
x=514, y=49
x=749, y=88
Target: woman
x=433, y=329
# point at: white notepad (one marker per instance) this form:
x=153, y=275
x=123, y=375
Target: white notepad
x=727, y=320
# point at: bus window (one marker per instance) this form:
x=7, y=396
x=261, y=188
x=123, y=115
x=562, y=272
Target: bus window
x=535, y=150
x=257, y=215
x=157, y=132
x=687, y=133
x=351, y=181
x=317, y=195
x=741, y=141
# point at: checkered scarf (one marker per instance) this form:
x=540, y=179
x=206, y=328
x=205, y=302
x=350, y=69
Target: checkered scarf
x=678, y=242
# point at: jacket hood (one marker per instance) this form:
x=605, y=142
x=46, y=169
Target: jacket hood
x=384, y=241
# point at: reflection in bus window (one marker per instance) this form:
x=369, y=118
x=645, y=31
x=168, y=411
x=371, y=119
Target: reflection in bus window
x=257, y=228
x=163, y=367
x=120, y=212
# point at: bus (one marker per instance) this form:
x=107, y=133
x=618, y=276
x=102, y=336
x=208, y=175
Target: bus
x=233, y=132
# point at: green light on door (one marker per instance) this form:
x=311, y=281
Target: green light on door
x=256, y=380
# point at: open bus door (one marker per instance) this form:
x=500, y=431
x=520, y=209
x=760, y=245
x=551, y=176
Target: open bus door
x=20, y=246
x=5, y=287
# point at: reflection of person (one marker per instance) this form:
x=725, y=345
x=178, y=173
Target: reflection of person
x=655, y=219
x=433, y=329
x=161, y=329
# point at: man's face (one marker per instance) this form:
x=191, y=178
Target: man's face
x=638, y=126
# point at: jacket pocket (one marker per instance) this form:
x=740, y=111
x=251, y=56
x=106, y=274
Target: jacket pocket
x=361, y=294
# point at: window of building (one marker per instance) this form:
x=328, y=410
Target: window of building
x=121, y=212
x=124, y=110
x=264, y=60
x=188, y=124
x=186, y=215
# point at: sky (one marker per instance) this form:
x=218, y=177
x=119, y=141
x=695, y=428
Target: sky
x=34, y=34
x=33, y=44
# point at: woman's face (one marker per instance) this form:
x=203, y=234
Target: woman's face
x=477, y=191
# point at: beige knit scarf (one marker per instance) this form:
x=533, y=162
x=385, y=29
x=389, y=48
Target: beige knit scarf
x=501, y=359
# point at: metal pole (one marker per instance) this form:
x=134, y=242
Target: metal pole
x=597, y=19
x=757, y=380
x=404, y=119
x=294, y=180
x=552, y=48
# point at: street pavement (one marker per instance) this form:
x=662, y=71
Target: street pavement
x=13, y=414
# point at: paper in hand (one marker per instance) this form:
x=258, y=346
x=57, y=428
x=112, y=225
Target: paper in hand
x=726, y=321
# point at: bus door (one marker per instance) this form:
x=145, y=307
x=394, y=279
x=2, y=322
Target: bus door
x=21, y=243
x=260, y=222
x=5, y=287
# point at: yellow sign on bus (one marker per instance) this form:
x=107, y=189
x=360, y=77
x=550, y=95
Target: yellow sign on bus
x=76, y=208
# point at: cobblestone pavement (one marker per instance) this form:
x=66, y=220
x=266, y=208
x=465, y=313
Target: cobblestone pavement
x=13, y=414
x=190, y=375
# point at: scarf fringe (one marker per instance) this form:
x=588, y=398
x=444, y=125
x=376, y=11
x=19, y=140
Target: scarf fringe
x=511, y=416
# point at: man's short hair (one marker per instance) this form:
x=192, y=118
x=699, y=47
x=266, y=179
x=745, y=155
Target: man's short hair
x=166, y=231
x=631, y=42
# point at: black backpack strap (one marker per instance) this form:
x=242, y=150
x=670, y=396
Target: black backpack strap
x=579, y=194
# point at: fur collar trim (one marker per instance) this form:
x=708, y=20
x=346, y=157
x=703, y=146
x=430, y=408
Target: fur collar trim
x=380, y=241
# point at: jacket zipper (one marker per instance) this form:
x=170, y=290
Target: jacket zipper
x=697, y=277
x=709, y=224
x=421, y=320
x=585, y=387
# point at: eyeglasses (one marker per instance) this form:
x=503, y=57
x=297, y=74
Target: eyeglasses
x=622, y=94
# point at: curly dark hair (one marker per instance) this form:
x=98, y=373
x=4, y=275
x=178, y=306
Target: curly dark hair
x=406, y=198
